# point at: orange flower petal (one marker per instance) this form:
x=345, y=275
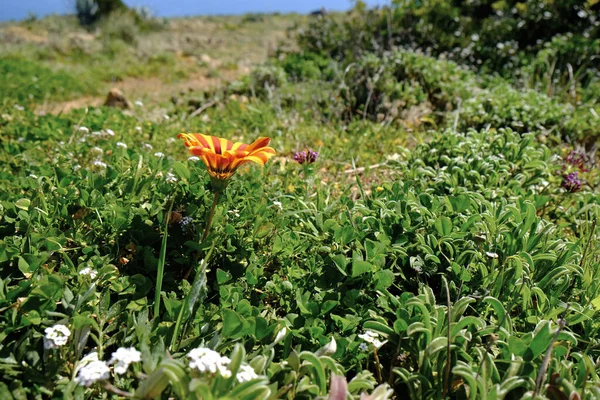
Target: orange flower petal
x=222, y=157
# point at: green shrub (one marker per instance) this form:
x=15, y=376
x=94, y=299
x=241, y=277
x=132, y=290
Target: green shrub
x=90, y=11
x=497, y=36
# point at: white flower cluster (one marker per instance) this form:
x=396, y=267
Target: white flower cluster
x=92, y=273
x=91, y=370
x=371, y=337
x=56, y=336
x=245, y=373
x=171, y=178
x=123, y=357
x=207, y=360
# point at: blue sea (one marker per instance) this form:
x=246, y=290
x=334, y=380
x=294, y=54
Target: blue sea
x=20, y=9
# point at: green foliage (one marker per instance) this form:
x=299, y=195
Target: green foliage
x=432, y=249
x=25, y=81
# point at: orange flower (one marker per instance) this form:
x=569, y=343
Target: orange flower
x=223, y=157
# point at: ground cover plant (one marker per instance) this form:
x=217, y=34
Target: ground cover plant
x=346, y=219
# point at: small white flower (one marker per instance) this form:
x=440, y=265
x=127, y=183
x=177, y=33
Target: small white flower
x=581, y=14
x=167, y=117
x=138, y=129
x=171, y=178
x=491, y=254
x=193, y=158
x=109, y=132
x=224, y=370
x=139, y=103
x=121, y=145
x=159, y=154
x=245, y=373
x=278, y=204
x=123, y=357
x=147, y=147
x=98, y=165
x=368, y=336
x=170, y=140
x=19, y=107
x=56, y=336
x=92, y=372
x=236, y=213
x=33, y=176
x=92, y=273
x=474, y=37
x=84, y=129
x=363, y=347
x=76, y=167
x=207, y=360
x=371, y=337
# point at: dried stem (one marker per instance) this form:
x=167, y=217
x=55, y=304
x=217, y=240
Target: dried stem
x=377, y=366
x=542, y=373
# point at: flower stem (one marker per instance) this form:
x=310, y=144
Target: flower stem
x=210, y=216
x=161, y=262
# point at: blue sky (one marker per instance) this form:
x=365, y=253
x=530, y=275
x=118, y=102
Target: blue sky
x=19, y=9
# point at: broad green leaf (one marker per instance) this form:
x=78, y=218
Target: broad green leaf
x=360, y=267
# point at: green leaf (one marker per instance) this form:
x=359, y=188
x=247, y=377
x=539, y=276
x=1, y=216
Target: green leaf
x=234, y=325
x=378, y=327
x=340, y=261
x=181, y=170
x=23, y=204
x=360, y=267
x=443, y=226
x=237, y=357
x=223, y=276
x=383, y=279
x=318, y=369
x=264, y=230
x=400, y=326
x=460, y=203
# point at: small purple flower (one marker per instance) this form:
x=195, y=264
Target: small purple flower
x=306, y=157
x=571, y=182
x=300, y=157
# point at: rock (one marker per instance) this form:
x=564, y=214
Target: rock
x=116, y=98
